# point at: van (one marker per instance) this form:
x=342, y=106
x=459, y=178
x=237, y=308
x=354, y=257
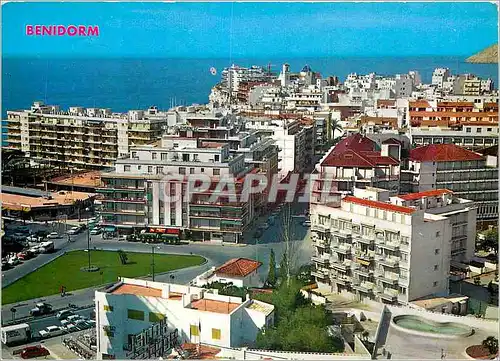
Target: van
x=61, y=315
x=16, y=334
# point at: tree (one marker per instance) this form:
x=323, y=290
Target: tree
x=334, y=126
x=271, y=276
x=291, y=251
x=490, y=240
x=491, y=343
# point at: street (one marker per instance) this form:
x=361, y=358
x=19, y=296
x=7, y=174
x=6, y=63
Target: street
x=216, y=254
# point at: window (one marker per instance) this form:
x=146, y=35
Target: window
x=468, y=130
x=154, y=155
x=195, y=331
x=182, y=170
x=164, y=156
x=434, y=284
x=216, y=171
x=135, y=315
x=126, y=168
x=150, y=169
x=216, y=157
x=489, y=129
x=191, y=170
x=159, y=170
x=108, y=308
x=109, y=331
x=438, y=234
x=176, y=145
x=436, y=251
x=139, y=167
x=202, y=170
x=134, y=154
x=436, y=267
x=215, y=334
x=155, y=317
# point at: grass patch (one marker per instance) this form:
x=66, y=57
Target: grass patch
x=65, y=270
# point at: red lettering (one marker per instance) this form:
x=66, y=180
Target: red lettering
x=81, y=30
x=72, y=30
x=46, y=30
x=38, y=30
x=29, y=30
x=61, y=30
x=93, y=31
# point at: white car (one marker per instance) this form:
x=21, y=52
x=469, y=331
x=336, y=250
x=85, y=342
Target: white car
x=74, y=230
x=74, y=318
x=51, y=331
x=96, y=231
x=13, y=261
x=53, y=235
x=307, y=224
x=70, y=327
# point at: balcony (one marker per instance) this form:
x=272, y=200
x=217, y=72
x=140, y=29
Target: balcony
x=342, y=248
x=341, y=280
x=391, y=279
x=321, y=259
x=366, y=287
x=364, y=239
x=363, y=271
x=388, y=294
x=388, y=261
x=343, y=234
x=320, y=243
x=388, y=245
x=404, y=281
x=323, y=228
x=319, y=274
x=340, y=266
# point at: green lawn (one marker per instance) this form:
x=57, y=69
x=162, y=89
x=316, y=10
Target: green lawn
x=65, y=270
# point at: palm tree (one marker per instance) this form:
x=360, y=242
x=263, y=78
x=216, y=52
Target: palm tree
x=334, y=126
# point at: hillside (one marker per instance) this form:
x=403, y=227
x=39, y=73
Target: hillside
x=488, y=55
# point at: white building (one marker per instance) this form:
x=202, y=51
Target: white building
x=199, y=315
x=241, y=272
x=439, y=76
x=81, y=137
x=369, y=246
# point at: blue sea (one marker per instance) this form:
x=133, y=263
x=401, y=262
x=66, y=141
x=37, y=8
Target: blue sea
x=123, y=84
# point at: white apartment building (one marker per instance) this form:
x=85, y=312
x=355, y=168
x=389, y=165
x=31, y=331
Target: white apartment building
x=461, y=212
x=369, y=246
x=468, y=174
x=471, y=136
x=241, y=272
x=135, y=193
x=234, y=75
x=81, y=137
x=439, y=76
x=199, y=315
x=294, y=154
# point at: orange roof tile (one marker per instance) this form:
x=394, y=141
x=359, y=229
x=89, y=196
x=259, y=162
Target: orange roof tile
x=92, y=179
x=127, y=289
x=200, y=352
x=379, y=205
x=431, y=193
x=443, y=153
x=214, y=306
x=63, y=198
x=239, y=267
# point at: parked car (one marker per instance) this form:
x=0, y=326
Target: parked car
x=74, y=230
x=51, y=331
x=61, y=315
x=123, y=237
x=70, y=327
x=96, y=231
x=13, y=261
x=73, y=318
x=53, y=235
x=307, y=223
x=82, y=324
x=23, y=256
x=34, y=351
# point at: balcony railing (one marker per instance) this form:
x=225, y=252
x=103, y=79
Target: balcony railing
x=320, y=259
x=366, y=287
x=389, y=261
x=388, y=294
x=384, y=277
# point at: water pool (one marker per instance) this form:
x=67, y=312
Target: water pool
x=422, y=325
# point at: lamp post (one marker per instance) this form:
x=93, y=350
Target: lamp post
x=153, y=261
x=88, y=238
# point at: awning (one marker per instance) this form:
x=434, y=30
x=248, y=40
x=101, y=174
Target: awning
x=363, y=262
x=104, y=190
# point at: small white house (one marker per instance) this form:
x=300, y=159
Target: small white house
x=241, y=272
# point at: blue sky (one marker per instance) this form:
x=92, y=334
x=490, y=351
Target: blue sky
x=226, y=30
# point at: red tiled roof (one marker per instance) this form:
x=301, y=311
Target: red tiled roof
x=443, y=153
x=377, y=204
x=355, y=142
x=356, y=151
x=200, y=352
x=239, y=267
x=431, y=193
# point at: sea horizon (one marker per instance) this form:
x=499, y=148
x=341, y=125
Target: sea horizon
x=137, y=83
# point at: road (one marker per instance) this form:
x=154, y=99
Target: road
x=215, y=254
